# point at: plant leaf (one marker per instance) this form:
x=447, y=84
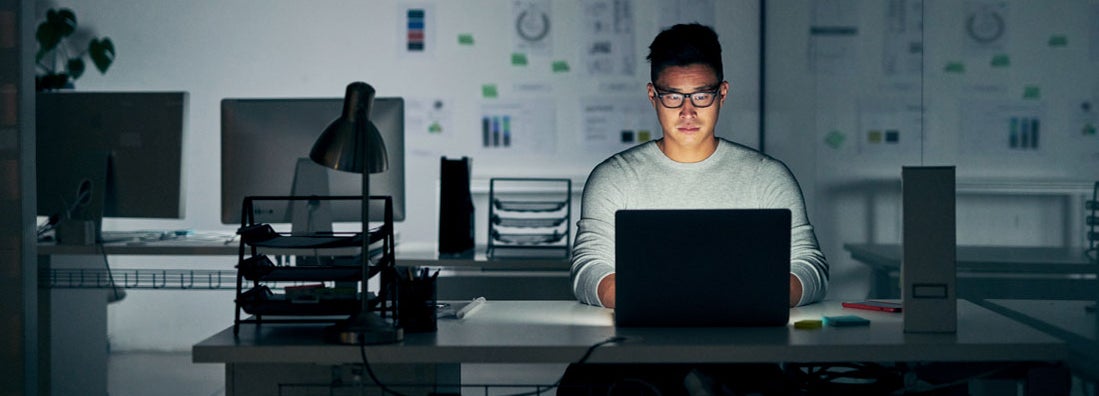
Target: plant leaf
x=102, y=53
x=47, y=37
x=63, y=20
x=76, y=67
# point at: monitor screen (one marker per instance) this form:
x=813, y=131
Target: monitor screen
x=262, y=141
x=128, y=144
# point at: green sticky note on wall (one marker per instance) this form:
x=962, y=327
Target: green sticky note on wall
x=834, y=139
x=955, y=67
x=489, y=91
x=560, y=66
x=1032, y=92
x=518, y=59
x=465, y=39
x=1058, y=40
x=1001, y=60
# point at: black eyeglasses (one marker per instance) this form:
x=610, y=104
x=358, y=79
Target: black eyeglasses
x=675, y=100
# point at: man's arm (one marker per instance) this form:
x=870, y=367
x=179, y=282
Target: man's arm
x=606, y=291
x=593, y=250
x=795, y=290
x=808, y=267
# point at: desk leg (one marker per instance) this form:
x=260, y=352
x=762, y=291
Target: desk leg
x=77, y=331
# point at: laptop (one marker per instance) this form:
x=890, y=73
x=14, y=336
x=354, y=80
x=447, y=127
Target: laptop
x=702, y=267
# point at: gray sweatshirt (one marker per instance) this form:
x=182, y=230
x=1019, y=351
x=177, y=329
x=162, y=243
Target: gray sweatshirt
x=733, y=177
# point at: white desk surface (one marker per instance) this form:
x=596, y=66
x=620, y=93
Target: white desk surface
x=562, y=331
x=1068, y=316
x=1068, y=320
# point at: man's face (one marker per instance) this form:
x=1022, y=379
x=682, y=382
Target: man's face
x=688, y=125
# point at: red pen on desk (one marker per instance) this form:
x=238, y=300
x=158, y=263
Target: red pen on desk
x=873, y=305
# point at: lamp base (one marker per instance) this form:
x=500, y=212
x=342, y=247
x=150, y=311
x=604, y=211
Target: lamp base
x=365, y=328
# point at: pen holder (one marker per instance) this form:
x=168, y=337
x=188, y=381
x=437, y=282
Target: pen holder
x=416, y=304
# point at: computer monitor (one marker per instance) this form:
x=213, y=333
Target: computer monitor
x=126, y=146
x=262, y=141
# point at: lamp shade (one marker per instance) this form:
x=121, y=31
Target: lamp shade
x=341, y=145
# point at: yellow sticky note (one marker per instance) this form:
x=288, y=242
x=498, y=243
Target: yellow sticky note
x=807, y=324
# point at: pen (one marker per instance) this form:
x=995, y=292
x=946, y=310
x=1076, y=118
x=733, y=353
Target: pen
x=469, y=308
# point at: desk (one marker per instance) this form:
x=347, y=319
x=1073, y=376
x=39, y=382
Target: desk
x=1069, y=320
x=562, y=331
x=992, y=271
x=81, y=312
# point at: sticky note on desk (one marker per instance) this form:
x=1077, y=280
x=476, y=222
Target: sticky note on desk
x=846, y=321
x=806, y=324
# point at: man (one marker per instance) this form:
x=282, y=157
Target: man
x=688, y=168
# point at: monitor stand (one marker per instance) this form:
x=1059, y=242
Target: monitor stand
x=310, y=217
x=81, y=222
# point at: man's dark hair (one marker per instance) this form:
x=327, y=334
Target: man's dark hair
x=685, y=44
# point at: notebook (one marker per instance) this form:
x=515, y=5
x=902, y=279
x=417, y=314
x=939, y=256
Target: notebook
x=702, y=267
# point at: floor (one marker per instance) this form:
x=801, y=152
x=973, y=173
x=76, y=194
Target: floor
x=164, y=374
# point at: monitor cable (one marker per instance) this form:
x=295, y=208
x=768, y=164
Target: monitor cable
x=116, y=293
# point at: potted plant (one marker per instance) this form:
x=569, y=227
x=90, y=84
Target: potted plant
x=58, y=61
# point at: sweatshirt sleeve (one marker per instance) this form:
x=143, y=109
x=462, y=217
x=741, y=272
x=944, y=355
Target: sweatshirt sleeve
x=780, y=189
x=593, y=251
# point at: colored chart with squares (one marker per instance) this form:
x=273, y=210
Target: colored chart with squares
x=416, y=25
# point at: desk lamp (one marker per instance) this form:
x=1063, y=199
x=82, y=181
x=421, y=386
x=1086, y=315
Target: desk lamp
x=352, y=143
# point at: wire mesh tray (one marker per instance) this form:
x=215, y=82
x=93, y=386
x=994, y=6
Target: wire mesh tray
x=279, y=304
x=531, y=222
x=528, y=239
x=529, y=206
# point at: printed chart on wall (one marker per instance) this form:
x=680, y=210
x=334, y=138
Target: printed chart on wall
x=1003, y=128
x=890, y=127
x=532, y=27
x=833, y=38
x=608, y=49
x=526, y=126
x=903, y=52
x=428, y=126
x=416, y=32
x=985, y=26
x=612, y=124
x=687, y=11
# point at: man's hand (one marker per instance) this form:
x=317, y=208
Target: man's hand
x=605, y=290
x=795, y=290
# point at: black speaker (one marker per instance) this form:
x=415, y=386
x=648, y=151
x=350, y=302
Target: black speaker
x=455, y=208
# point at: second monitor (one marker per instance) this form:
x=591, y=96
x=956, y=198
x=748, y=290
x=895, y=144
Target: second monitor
x=262, y=141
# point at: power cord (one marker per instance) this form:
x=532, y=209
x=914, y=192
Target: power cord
x=370, y=372
x=583, y=359
x=934, y=389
